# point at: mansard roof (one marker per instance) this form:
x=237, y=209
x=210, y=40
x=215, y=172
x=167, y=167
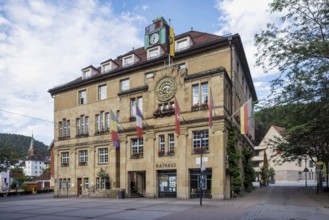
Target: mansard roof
x=201, y=42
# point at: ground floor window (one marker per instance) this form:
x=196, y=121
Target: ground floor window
x=195, y=183
x=167, y=183
x=102, y=183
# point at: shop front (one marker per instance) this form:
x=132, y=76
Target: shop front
x=196, y=178
x=167, y=183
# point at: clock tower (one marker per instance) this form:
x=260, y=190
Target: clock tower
x=156, y=33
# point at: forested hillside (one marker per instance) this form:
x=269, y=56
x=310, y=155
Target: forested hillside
x=19, y=144
x=267, y=117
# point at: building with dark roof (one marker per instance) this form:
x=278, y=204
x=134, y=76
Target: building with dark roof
x=187, y=87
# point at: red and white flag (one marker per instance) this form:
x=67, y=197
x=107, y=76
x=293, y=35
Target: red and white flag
x=177, y=118
x=139, y=124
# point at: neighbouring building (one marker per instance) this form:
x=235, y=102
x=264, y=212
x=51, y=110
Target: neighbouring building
x=284, y=170
x=5, y=180
x=209, y=78
x=33, y=165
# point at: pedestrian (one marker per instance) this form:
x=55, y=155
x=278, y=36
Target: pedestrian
x=261, y=182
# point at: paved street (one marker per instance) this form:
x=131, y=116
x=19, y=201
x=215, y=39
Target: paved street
x=274, y=202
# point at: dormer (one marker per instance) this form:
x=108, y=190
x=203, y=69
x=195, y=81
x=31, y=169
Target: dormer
x=89, y=71
x=108, y=66
x=183, y=43
x=129, y=60
x=154, y=52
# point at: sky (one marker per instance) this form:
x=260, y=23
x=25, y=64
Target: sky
x=46, y=43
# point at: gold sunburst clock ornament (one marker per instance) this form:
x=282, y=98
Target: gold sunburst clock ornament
x=166, y=89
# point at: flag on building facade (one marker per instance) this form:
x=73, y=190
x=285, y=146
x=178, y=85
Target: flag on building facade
x=177, y=118
x=114, y=129
x=211, y=109
x=139, y=124
x=171, y=42
x=246, y=117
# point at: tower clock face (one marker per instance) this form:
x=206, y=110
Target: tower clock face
x=154, y=38
x=166, y=89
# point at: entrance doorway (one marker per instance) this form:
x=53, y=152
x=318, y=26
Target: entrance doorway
x=137, y=183
x=195, y=181
x=167, y=183
x=79, y=186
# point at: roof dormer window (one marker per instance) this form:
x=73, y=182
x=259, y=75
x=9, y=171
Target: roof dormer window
x=154, y=52
x=183, y=44
x=89, y=71
x=129, y=60
x=108, y=66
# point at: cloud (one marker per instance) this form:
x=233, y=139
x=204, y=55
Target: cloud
x=47, y=43
x=246, y=19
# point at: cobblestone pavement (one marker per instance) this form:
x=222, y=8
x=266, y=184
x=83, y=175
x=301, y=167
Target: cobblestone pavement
x=274, y=202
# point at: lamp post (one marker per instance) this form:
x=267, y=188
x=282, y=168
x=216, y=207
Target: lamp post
x=305, y=171
x=201, y=180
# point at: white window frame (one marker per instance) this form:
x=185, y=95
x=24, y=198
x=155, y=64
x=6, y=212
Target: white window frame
x=65, y=158
x=103, y=156
x=102, y=92
x=137, y=145
x=86, y=183
x=171, y=140
x=136, y=101
x=183, y=44
x=162, y=142
x=82, y=97
x=124, y=84
x=200, y=93
x=86, y=74
x=83, y=156
x=153, y=52
x=196, y=141
x=128, y=60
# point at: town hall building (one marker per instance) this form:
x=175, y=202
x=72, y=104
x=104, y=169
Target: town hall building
x=186, y=87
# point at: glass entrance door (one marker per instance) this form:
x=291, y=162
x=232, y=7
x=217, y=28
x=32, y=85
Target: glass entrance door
x=167, y=183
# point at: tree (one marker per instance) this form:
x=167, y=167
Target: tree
x=298, y=47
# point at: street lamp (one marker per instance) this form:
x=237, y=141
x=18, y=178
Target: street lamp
x=201, y=180
x=305, y=171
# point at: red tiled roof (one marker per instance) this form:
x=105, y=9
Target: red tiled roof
x=278, y=129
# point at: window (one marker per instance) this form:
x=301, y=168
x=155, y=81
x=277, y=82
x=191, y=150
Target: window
x=200, y=143
x=162, y=143
x=133, y=102
x=153, y=53
x=171, y=142
x=102, y=92
x=103, y=155
x=200, y=95
x=127, y=61
x=166, y=145
x=64, y=129
x=86, y=183
x=311, y=163
x=181, y=66
x=82, y=124
x=65, y=158
x=65, y=183
x=102, y=122
x=181, y=44
x=83, y=157
x=137, y=147
x=97, y=183
x=82, y=97
x=124, y=85
x=86, y=74
x=106, y=67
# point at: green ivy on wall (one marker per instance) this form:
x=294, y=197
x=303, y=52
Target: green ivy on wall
x=233, y=160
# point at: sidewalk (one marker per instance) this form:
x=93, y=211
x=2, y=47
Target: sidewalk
x=322, y=197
